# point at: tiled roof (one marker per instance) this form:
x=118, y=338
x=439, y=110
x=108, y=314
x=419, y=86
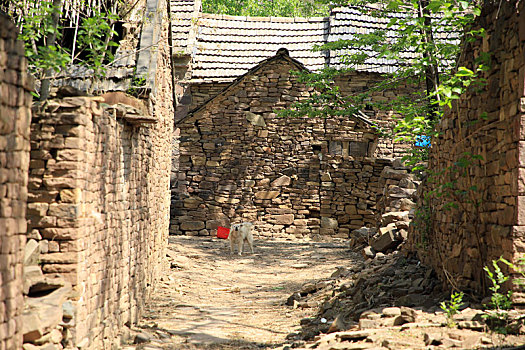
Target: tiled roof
x=227, y=46
x=183, y=11
x=344, y=23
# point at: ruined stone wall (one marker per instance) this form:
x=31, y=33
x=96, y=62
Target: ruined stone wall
x=98, y=205
x=480, y=216
x=15, y=117
x=290, y=176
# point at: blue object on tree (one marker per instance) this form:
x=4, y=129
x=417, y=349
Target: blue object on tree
x=423, y=141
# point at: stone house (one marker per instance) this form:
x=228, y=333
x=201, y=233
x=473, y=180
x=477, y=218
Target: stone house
x=214, y=53
x=211, y=51
x=240, y=161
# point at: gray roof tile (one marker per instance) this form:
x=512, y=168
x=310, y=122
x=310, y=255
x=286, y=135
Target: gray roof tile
x=227, y=46
x=224, y=47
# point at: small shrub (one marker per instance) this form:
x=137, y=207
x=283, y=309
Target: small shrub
x=497, y=314
x=451, y=307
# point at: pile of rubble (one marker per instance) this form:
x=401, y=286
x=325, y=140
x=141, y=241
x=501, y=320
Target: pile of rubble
x=48, y=315
x=395, y=210
x=388, y=280
x=390, y=302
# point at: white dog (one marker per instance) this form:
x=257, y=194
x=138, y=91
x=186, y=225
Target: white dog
x=238, y=234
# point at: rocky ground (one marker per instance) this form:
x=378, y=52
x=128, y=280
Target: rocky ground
x=303, y=294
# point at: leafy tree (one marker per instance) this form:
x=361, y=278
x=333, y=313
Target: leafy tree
x=426, y=46
x=264, y=8
x=42, y=31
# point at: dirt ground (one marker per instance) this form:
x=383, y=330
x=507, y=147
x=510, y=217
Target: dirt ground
x=212, y=300
x=209, y=299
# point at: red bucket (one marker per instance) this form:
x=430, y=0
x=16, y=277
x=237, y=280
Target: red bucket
x=223, y=232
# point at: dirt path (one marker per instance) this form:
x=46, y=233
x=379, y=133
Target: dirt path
x=212, y=300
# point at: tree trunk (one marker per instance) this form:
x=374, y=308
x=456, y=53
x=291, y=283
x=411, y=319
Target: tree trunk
x=431, y=71
x=50, y=41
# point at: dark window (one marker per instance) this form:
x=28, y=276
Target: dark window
x=358, y=149
x=335, y=148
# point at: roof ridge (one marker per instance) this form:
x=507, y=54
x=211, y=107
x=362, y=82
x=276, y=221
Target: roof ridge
x=281, y=53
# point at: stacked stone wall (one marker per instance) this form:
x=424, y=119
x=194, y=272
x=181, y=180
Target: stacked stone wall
x=15, y=117
x=479, y=216
x=202, y=92
x=290, y=176
x=350, y=84
x=355, y=83
x=98, y=204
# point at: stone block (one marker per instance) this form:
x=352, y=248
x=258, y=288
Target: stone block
x=255, y=119
x=329, y=223
x=32, y=275
x=281, y=181
x=43, y=314
x=59, y=258
x=393, y=216
x=192, y=225
x=65, y=210
x=198, y=160
x=283, y=219
x=267, y=194
x=384, y=242
x=70, y=155
x=31, y=253
x=192, y=202
x=71, y=195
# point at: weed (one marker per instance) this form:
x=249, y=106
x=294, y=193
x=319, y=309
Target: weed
x=451, y=307
x=497, y=315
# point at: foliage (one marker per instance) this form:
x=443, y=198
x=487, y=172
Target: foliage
x=497, y=313
x=92, y=40
x=425, y=48
x=451, y=307
x=264, y=8
x=36, y=26
x=137, y=85
x=518, y=268
x=46, y=59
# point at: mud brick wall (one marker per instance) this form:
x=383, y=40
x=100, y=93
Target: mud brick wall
x=15, y=118
x=290, y=176
x=99, y=205
x=460, y=241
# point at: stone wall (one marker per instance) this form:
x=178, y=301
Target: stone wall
x=291, y=176
x=202, y=92
x=480, y=217
x=355, y=83
x=197, y=93
x=15, y=117
x=98, y=205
